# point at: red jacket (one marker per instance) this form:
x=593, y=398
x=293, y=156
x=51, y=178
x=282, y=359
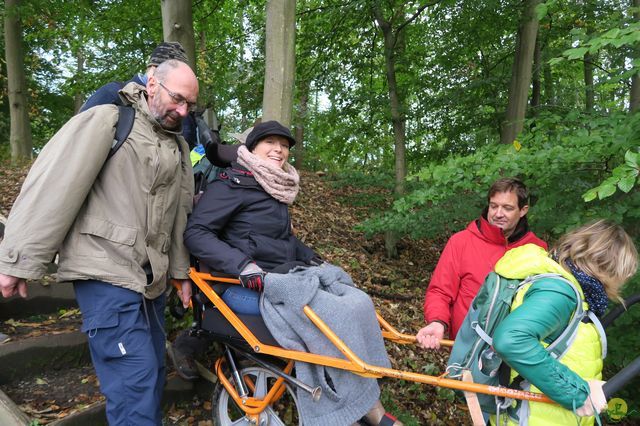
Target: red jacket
x=466, y=260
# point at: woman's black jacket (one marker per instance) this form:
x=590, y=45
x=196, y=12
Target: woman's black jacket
x=236, y=222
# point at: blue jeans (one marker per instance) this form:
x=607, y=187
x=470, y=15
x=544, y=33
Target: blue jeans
x=127, y=344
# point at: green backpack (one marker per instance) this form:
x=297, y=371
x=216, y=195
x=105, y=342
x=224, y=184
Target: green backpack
x=472, y=349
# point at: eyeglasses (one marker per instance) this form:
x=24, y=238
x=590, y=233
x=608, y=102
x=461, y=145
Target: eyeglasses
x=178, y=99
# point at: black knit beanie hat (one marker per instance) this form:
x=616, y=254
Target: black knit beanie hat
x=268, y=128
x=165, y=51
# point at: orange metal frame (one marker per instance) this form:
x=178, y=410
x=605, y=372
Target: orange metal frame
x=351, y=362
x=253, y=406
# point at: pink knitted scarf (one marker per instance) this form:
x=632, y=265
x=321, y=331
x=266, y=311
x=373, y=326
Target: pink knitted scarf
x=282, y=184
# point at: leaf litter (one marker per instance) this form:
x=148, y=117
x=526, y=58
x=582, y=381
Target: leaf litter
x=323, y=218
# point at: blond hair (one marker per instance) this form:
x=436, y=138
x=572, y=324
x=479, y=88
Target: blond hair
x=603, y=250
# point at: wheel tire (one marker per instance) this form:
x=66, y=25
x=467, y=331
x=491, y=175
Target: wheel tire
x=284, y=412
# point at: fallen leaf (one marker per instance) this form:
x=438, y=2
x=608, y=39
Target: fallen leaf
x=70, y=313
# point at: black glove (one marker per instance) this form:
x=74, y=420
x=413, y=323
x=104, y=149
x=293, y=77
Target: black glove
x=252, y=277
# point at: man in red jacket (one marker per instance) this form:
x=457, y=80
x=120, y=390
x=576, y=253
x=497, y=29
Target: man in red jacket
x=470, y=255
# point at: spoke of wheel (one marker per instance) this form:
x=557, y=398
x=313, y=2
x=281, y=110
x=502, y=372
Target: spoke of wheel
x=274, y=420
x=241, y=422
x=261, y=385
x=226, y=401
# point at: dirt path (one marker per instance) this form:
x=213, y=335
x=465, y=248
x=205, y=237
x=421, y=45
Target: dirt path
x=324, y=218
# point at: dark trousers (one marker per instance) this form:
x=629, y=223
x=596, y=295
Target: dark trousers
x=127, y=344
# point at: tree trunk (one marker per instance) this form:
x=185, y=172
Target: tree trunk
x=280, y=61
x=549, y=94
x=177, y=25
x=521, y=73
x=301, y=118
x=588, y=82
x=397, y=118
x=634, y=96
x=78, y=99
x=20, y=138
x=536, y=85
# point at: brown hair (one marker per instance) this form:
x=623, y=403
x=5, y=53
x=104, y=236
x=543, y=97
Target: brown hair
x=603, y=250
x=510, y=184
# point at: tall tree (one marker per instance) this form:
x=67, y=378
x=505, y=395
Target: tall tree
x=536, y=86
x=634, y=96
x=589, y=59
x=280, y=61
x=393, y=48
x=78, y=99
x=20, y=138
x=521, y=72
x=589, y=93
x=177, y=25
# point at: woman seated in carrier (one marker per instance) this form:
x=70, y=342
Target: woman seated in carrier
x=241, y=226
x=598, y=258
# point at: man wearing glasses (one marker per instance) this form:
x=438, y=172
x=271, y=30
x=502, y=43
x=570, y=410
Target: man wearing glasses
x=117, y=225
x=109, y=93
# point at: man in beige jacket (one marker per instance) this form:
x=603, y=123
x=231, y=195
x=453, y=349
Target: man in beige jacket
x=117, y=225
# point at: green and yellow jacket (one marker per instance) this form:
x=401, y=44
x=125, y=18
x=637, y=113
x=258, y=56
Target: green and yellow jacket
x=539, y=313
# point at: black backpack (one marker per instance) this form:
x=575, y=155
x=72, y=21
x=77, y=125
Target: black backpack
x=126, y=117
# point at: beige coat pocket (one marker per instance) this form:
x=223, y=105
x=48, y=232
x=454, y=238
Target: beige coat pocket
x=109, y=231
x=101, y=238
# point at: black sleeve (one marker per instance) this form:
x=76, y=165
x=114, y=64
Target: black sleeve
x=107, y=94
x=189, y=130
x=303, y=252
x=216, y=208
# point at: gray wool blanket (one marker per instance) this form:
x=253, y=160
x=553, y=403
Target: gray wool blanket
x=350, y=313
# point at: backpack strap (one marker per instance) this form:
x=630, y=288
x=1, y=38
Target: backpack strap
x=600, y=329
x=559, y=347
x=126, y=117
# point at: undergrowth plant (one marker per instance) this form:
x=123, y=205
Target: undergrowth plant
x=560, y=158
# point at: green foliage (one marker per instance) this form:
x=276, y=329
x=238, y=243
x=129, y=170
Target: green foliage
x=616, y=38
x=388, y=400
x=447, y=394
x=622, y=177
x=559, y=157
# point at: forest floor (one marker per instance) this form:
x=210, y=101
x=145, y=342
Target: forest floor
x=324, y=217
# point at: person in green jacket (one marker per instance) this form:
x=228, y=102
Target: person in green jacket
x=598, y=258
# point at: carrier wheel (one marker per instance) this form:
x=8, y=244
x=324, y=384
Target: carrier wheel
x=283, y=412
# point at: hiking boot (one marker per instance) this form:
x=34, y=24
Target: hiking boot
x=184, y=364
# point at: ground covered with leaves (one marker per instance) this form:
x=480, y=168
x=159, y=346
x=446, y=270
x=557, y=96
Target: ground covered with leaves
x=324, y=217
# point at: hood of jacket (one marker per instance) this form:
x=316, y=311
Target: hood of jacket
x=529, y=259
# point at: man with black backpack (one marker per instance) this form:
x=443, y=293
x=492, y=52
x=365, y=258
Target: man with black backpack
x=117, y=223
x=470, y=255
x=194, y=129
